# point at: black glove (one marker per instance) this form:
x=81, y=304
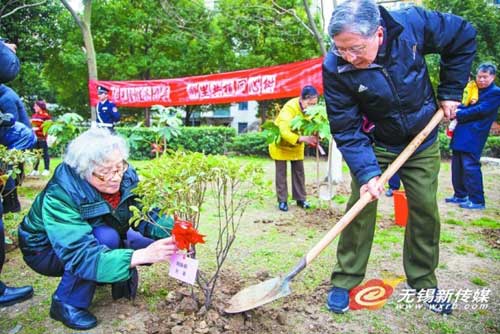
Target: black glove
x=6, y=119
x=126, y=289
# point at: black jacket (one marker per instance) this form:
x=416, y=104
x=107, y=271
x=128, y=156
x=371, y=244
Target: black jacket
x=395, y=92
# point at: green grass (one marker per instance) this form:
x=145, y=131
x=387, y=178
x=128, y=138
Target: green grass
x=447, y=237
x=464, y=249
x=340, y=199
x=478, y=281
x=486, y=222
x=442, y=327
x=277, y=248
x=454, y=222
x=386, y=238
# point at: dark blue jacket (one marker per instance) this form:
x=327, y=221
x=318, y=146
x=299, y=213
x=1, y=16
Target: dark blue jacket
x=9, y=64
x=474, y=122
x=107, y=113
x=17, y=136
x=395, y=92
x=10, y=103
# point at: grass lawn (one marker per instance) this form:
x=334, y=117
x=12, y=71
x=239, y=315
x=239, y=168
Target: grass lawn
x=270, y=243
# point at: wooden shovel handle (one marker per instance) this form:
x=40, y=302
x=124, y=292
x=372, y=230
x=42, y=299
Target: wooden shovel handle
x=366, y=198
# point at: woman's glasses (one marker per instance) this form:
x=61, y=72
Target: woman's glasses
x=104, y=177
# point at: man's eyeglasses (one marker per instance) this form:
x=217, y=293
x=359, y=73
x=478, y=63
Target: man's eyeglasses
x=355, y=51
x=110, y=175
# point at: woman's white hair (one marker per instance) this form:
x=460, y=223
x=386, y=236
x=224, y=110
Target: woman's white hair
x=92, y=148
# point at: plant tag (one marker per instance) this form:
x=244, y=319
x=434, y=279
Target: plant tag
x=183, y=268
x=321, y=150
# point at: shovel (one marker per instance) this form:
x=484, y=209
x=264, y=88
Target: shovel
x=275, y=288
x=325, y=189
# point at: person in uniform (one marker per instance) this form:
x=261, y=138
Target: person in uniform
x=107, y=112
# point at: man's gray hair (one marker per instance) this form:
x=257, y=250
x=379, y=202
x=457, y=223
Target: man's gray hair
x=357, y=16
x=92, y=148
x=487, y=67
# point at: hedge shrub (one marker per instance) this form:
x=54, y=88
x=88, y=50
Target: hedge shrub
x=444, y=145
x=206, y=139
x=251, y=143
x=492, y=147
x=218, y=140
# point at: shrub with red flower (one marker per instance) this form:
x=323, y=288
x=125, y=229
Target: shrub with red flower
x=185, y=234
x=156, y=148
x=372, y=295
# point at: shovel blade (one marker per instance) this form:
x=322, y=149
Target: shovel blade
x=258, y=294
x=326, y=191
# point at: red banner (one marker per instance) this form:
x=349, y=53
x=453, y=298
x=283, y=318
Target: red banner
x=255, y=84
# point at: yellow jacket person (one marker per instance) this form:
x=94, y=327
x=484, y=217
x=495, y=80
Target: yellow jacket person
x=291, y=148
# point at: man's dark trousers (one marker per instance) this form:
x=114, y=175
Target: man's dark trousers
x=421, y=242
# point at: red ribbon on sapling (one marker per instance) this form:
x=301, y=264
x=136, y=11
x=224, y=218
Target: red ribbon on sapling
x=185, y=234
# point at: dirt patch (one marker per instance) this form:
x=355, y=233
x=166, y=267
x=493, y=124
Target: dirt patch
x=342, y=188
x=492, y=236
x=35, y=182
x=320, y=218
x=183, y=312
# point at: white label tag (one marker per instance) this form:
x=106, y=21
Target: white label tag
x=183, y=268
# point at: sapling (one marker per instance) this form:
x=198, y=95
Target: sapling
x=178, y=185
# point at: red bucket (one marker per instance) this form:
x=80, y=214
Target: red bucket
x=400, y=207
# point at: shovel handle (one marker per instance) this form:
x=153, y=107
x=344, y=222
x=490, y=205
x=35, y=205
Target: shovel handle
x=366, y=197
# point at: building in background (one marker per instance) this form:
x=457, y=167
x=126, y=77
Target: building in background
x=241, y=116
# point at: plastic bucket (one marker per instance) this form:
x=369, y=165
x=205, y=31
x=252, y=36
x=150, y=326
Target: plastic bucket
x=400, y=207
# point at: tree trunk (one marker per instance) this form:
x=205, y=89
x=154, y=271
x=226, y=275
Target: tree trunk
x=317, y=35
x=88, y=40
x=147, y=117
x=189, y=112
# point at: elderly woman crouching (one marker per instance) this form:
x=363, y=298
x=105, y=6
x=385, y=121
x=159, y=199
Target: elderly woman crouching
x=78, y=228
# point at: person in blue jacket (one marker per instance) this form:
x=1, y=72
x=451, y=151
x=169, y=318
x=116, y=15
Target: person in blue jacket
x=469, y=137
x=9, y=61
x=11, y=103
x=9, y=68
x=107, y=113
x=376, y=69
x=15, y=134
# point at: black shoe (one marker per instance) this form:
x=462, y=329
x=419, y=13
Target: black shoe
x=70, y=316
x=283, y=206
x=13, y=296
x=304, y=204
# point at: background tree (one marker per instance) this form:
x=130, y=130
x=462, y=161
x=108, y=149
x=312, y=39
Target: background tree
x=484, y=16
x=35, y=31
x=141, y=40
x=84, y=22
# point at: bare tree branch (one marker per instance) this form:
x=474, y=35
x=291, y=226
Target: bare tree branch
x=75, y=15
x=315, y=31
x=179, y=22
x=21, y=7
x=294, y=14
